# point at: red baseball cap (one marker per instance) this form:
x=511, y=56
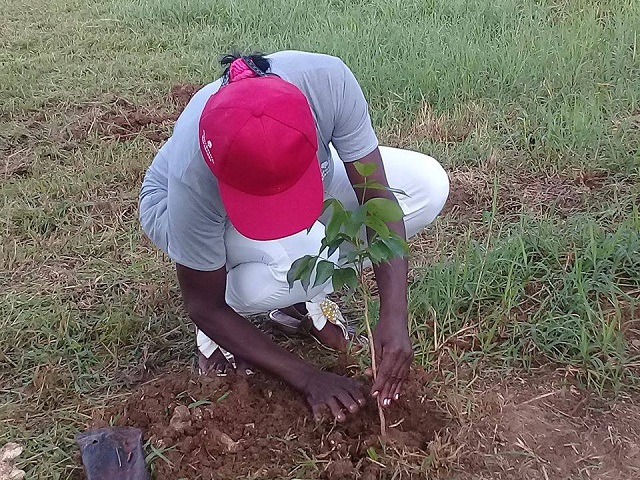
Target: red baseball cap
x=258, y=137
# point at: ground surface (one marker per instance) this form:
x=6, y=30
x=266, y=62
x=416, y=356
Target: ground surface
x=271, y=430
x=524, y=293
x=231, y=427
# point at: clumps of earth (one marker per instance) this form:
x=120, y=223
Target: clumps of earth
x=256, y=427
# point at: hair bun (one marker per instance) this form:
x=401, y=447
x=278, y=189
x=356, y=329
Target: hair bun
x=239, y=70
x=240, y=67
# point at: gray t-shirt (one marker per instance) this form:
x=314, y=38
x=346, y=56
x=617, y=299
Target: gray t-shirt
x=180, y=206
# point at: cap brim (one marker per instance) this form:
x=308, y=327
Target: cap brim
x=261, y=217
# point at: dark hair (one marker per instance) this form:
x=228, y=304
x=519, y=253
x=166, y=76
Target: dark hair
x=257, y=59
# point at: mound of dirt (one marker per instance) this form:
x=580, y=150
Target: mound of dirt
x=181, y=93
x=233, y=427
x=123, y=121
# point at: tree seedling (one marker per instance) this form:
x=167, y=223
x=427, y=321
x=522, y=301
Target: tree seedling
x=345, y=230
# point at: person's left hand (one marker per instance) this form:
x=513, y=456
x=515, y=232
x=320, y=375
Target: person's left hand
x=394, y=356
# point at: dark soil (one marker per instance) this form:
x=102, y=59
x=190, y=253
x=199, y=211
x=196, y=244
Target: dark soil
x=181, y=93
x=233, y=427
x=122, y=121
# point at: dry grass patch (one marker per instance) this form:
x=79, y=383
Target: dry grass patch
x=517, y=192
x=444, y=127
x=68, y=126
x=15, y=164
x=545, y=427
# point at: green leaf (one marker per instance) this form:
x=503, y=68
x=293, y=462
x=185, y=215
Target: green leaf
x=197, y=403
x=365, y=169
x=324, y=244
x=375, y=255
x=338, y=218
x=328, y=203
x=351, y=278
x=296, y=269
x=375, y=185
x=379, y=252
x=332, y=245
x=355, y=222
x=337, y=279
x=344, y=276
x=223, y=396
x=396, y=245
x=300, y=269
x=352, y=257
x=324, y=270
x=373, y=455
x=305, y=281
x=378, y=226
x=384, y=209
x=157, y=453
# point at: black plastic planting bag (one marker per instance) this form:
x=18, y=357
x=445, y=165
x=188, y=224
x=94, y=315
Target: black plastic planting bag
x=113, y=453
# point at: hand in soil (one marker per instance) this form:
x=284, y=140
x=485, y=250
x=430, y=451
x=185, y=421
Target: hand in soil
x=339, y=394
x=394, y=356
x=218, y=364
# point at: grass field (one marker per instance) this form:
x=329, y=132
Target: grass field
x=530, y=280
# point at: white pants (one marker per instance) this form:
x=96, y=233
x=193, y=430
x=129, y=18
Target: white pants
x=257, y=270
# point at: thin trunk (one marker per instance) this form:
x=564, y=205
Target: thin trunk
x=374, y=367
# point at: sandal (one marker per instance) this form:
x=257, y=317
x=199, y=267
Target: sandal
x=319, y=314
x=289, y=325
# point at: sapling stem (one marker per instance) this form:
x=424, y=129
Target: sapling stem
x=372, y=348
x=345, y=227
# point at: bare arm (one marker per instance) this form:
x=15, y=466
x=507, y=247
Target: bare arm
x=391, y=276
x=204, y=297
x=391, y=337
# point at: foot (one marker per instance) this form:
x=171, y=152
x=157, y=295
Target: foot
x=331, y=336
x=217, y=364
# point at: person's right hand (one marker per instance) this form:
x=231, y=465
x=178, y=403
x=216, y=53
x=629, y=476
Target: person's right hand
x=338, y=394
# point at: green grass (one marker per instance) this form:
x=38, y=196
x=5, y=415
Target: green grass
x=542, y=290
x=88, y=306
x=557, y=82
